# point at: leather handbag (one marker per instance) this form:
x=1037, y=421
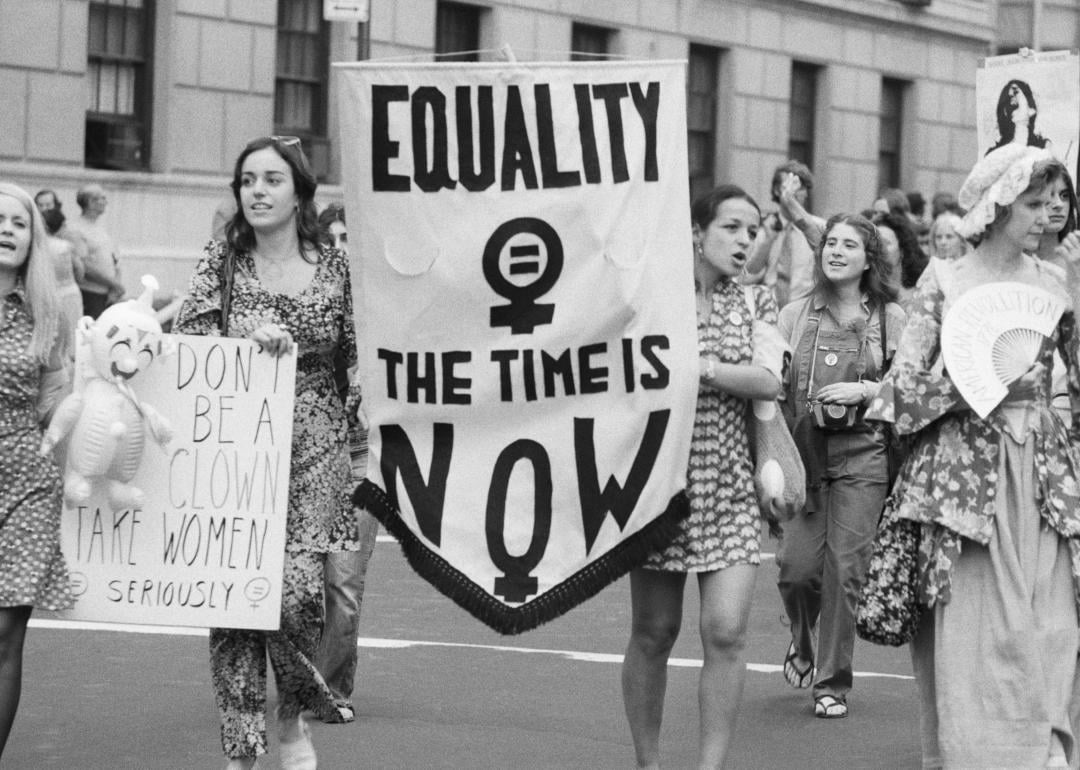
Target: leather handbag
x=779, y=475
x=888, y=609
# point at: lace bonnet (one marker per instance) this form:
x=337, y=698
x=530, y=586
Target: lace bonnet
x=997, y=179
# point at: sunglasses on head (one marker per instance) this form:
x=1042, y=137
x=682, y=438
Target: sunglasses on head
x=287, y=141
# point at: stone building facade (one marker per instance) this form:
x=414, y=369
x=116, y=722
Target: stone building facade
x=153, y=99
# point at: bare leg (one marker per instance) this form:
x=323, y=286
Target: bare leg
x=656, y=605
x=13, y=622
x=725, y=614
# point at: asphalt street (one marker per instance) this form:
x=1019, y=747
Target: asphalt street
x=437, y=689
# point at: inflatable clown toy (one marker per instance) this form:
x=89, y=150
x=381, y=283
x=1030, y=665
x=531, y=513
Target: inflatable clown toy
x=102, y=425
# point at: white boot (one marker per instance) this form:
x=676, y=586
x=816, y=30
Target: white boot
x=297, y=751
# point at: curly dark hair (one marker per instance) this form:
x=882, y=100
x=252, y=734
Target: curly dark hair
x=334, y=212
x=240, y=234
x=877, y=282
x=913, y=259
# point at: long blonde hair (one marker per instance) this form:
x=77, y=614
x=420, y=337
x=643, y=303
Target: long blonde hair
x=38, y=273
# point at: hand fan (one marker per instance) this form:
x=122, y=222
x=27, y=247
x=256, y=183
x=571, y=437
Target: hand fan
x=992, y=335
x=1014, y=352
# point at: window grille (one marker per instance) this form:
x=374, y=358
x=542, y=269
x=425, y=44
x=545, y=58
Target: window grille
x=118, y=67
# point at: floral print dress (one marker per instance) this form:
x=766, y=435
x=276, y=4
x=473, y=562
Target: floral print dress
x=32, y=568
x=951, y=477
x=320, y=517
x=995, y=656
x=723, y=527
x=321, y=322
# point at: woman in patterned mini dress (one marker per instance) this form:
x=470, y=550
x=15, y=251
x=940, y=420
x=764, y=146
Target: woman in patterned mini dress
x=719, y=540
x=34, y=345
x=285, y=287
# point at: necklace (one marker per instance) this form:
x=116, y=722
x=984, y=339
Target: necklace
x=272, y=269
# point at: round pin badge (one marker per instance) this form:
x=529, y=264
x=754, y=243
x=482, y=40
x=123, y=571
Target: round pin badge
x=735, y=318
x=831, y=359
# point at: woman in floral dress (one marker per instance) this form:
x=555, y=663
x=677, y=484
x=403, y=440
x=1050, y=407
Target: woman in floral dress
x=719, y=540
x=996, y=652
x=285, y=287
x=33, y=348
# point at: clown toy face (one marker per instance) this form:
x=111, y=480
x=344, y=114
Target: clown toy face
x=124, y=341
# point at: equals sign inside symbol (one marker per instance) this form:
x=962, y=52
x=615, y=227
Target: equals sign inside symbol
x=520, y=264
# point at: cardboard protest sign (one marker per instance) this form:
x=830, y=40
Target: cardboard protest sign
x=1032, y=98
x=207, y=546
x=524, y=298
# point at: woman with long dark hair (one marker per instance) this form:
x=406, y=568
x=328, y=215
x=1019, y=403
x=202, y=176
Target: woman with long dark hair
x=273, y=282
x=1015, y=114
x=900, y=245
x=843, y=336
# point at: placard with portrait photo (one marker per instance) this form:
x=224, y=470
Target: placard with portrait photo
x=1030, y=98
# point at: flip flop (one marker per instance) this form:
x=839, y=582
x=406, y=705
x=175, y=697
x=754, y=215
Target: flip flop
x=829, y=707
x=799, y=678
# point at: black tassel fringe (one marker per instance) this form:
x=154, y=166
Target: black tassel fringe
x=504, y=619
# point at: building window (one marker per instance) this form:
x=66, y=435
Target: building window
x=803, y=107
x=589, y=43
x=301, y=79
x=119, y=55
x=890, y=132
x=457, y=32
x=702, y=85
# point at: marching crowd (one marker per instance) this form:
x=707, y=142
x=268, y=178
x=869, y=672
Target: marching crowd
x=884, y=435
x=858, y=301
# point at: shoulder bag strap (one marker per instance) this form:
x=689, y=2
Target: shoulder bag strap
x=228, y=273
x=884, y=311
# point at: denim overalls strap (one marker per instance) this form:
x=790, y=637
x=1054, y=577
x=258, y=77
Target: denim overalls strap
x=826, y=356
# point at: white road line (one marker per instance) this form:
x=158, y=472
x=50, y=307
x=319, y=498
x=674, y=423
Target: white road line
x=401, y=644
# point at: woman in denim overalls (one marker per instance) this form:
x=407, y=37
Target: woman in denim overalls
x=836, y=334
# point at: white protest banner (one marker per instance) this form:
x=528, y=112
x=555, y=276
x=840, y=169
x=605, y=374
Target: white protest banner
x=206, y=548
x=1030, y=98
x=524, y=299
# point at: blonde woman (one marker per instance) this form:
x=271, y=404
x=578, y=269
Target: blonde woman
x=33, y=349
x=945, y=241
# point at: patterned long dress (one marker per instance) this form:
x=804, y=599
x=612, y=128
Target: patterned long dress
x=320, y=516
x=996, y=653
x=723, y=528
x=32, y=568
